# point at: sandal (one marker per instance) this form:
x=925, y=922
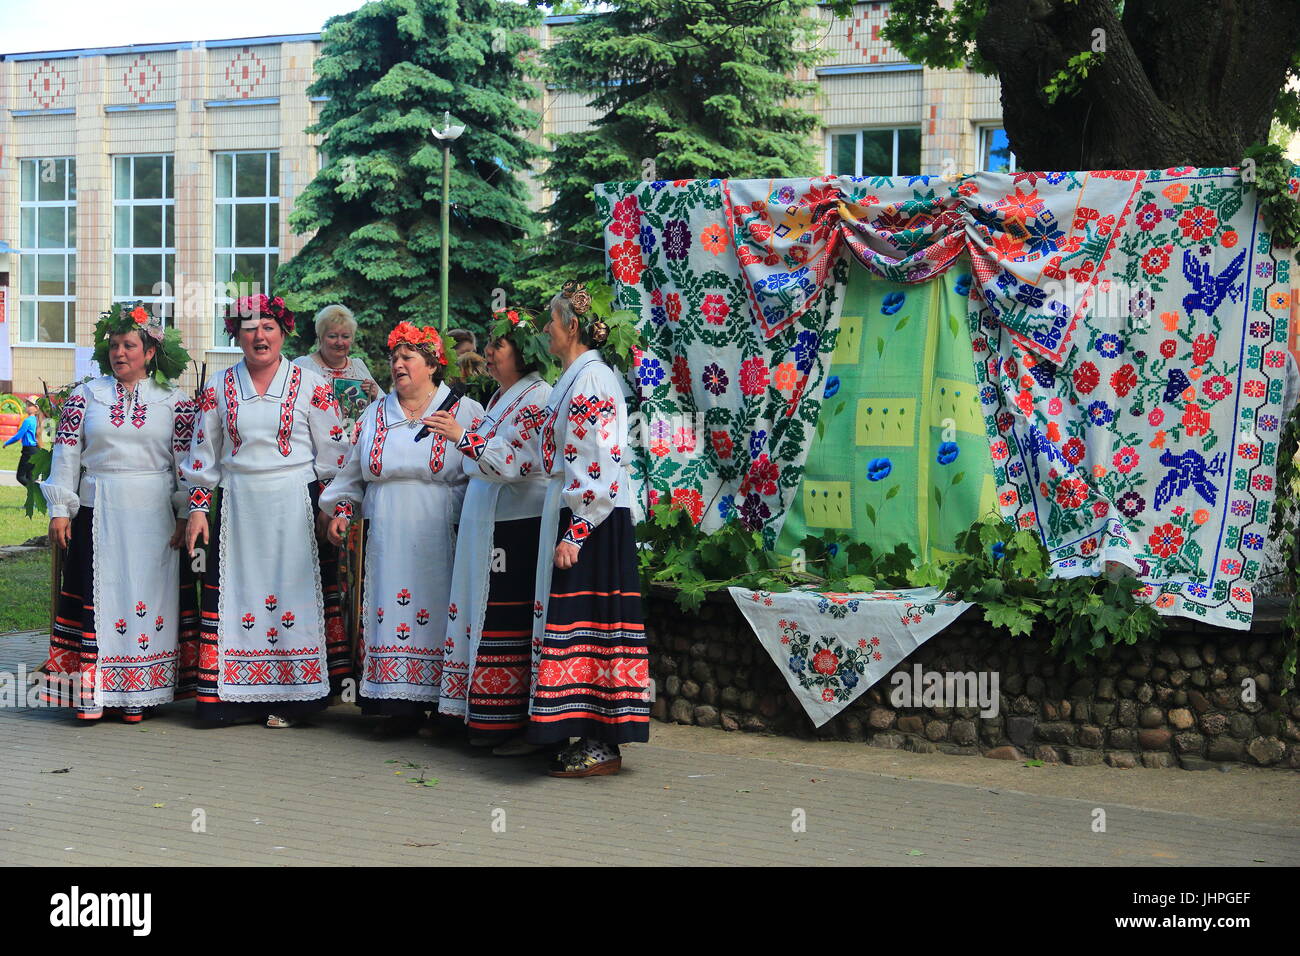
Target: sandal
x=278, y=723
x=587, y=759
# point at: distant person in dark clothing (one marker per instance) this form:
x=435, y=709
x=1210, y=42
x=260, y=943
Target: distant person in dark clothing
x=28, y=434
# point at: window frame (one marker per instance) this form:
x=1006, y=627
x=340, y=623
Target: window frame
x=29, y=300
x=834, y=131
x=168, y=205
x=985, y=136
x=232, y=202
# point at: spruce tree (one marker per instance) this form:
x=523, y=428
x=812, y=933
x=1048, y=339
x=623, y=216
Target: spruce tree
x=686, y=90
x=390, y=69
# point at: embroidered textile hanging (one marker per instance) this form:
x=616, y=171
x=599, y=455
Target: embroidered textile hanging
x=1129, y=330
x=1024, y=232
x=727, y=415
x=1154, y=443
x=831, y=648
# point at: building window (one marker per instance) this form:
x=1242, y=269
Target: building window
x=874, y=152
x=995, y=151
x=247, y=224
x=47, y=238
x=144, y=233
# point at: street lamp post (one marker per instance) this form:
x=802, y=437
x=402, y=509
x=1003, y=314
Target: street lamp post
x=447, y=135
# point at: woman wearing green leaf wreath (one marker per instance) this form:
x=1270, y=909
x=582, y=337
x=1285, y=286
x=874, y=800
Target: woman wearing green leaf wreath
x=487, y=663
x=591, y=663
x=124, y=636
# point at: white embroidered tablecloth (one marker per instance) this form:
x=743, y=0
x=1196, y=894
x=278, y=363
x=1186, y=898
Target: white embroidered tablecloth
x=832, y=647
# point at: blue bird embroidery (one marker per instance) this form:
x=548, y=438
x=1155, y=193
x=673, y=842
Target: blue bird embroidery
x=1189, y=468
x=1038, y=444
x=1211, y=290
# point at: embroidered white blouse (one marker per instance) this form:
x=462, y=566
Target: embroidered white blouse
x=583, y=440
x=294, y=424
x=501, y=447
x=387, y=451
x=106, y=429
x=356, y=368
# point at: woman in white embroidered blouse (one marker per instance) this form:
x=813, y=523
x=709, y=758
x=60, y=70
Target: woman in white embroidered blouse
x=591, y=659
x=269, y=433
x=487, y=669
x=409, y=486
x=336, y=331
x=124, y=633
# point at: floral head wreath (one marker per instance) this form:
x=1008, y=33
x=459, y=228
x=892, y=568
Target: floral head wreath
x=578, y=296
x=523, y=328
x=612, y=330
x=580, y=302
x=426, y=340
x=257, y=307
x=169, y=359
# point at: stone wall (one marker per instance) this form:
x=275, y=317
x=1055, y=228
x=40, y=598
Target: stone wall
x=1173, y=702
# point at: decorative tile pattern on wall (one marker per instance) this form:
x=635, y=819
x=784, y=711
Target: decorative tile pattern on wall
x=47, y=84
x=243, y=73
x=857, y=40
x=140, y=78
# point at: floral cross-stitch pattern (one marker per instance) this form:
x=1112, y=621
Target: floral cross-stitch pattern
x=727, y=414
x=1128, y=329
x=1154, y=443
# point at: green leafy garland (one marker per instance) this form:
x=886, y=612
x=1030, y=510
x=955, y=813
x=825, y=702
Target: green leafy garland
x=170, y=358
x=623, y=342
x=1002, y=569
x=1272, y=175
x=524, y=329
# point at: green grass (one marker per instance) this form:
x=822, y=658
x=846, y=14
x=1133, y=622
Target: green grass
x=25, y=584
x=25, y=581
x=9, y=457
x=15, y=526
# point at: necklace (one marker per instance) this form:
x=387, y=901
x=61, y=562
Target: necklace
x=419, y=407
x=337, y=370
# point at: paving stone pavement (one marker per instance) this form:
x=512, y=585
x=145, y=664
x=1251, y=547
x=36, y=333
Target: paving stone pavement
x=328, y=794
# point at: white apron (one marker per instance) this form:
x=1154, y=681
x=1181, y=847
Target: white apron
x=411, y=492
x=272, y=645
x=115, y=451
x=137, y=589
x=407, y=584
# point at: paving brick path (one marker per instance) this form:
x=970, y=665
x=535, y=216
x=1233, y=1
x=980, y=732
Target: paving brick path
x=329, y=794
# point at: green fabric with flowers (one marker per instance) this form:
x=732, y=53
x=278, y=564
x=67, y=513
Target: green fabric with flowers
x=900, y=454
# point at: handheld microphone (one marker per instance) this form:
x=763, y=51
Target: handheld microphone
x=456, y=392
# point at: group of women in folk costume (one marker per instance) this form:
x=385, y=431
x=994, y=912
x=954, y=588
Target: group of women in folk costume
x=500, y=585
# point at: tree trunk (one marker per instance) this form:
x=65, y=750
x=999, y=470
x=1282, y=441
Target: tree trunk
x=1181, y=82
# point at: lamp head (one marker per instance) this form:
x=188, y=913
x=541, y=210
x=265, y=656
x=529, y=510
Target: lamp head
x=448, y=132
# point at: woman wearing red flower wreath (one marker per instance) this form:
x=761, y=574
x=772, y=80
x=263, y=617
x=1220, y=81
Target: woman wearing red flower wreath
x=409, y=486
x=269, y=433
x=126, y=626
